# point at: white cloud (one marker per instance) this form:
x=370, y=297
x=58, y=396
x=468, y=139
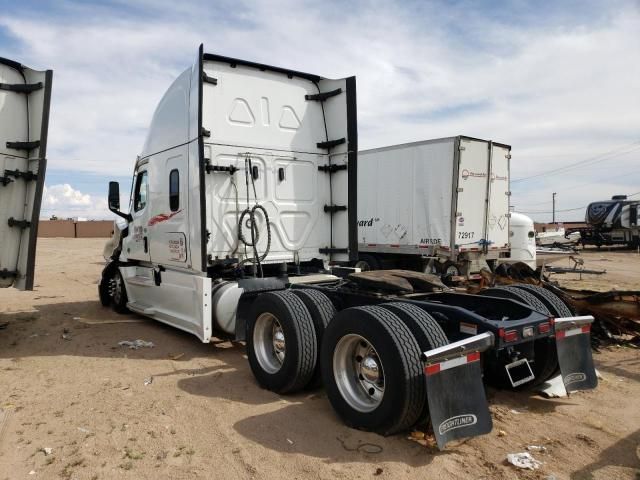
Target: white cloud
x=64, y=201
x=559, y=89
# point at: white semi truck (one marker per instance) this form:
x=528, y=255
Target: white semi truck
x=25, y=97
x=243, y=197
x=440, y=206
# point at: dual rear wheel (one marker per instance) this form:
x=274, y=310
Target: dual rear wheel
x=367, y=357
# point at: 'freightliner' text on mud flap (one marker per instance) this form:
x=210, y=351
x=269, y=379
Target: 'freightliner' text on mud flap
x=573, y=341
x=457, y=400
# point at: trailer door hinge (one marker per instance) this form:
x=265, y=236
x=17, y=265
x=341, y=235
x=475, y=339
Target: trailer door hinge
x=460, y=189
x=331, y=143
x=205, y=132
x=207, y=79
x=23, y=145
x=508, y=156
x=331, y=168
x=321, y=97
x=508, y=194
x=334, y=208
x=5, y=181
x=330, y=250
x=462, y=147
x=21, y=87
x=28, y=176
x=22, y=224
x=4, y=273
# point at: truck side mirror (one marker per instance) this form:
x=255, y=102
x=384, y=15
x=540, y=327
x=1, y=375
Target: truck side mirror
x=114, y=196
x=114, y=201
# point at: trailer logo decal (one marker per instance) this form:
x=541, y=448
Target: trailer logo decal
x=367, y=223
x=466, y=174
x=459, y=421
x=574, y=378
x=163, y=217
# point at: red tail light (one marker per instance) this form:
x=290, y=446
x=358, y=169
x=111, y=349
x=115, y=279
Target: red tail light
x=508, y=336
x=544, y=327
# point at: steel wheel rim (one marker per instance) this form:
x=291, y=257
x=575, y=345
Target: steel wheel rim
x=269, y=343
x=117, y=288
x=358, y=373
x=452, y=270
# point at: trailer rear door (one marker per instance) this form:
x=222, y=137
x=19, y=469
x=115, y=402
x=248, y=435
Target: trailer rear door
x=497, y=230
x=471, y=205
x=24, y=116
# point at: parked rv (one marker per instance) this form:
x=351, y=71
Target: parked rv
x=245, y=195
x=25, y=97
x=612, y=222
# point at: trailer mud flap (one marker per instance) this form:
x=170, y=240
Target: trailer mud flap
x=573, y=342
x=455, y=392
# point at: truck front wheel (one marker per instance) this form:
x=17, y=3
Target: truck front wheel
x=281, y=342
x=119, y=293
x=372, y=371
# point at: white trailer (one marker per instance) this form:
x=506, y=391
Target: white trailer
x=25, y=97
x=437, y=205
x=243, y=196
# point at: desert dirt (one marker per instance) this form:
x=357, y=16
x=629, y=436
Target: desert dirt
x=66, y=385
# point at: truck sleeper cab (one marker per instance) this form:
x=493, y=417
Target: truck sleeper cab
x=244, y=206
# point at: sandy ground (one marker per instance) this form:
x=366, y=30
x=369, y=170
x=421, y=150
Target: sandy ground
x=622, y=270
x=203, y=416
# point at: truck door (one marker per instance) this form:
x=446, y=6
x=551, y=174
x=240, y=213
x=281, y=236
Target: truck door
x=137, y=242
x=24, y=118
x=470, y=215
x=497, y=229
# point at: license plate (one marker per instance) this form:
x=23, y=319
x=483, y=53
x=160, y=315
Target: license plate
x=519, y=372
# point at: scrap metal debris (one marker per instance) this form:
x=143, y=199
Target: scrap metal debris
x=523, y=460
x=136, y=344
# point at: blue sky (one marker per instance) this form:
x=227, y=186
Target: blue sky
x=556, y=80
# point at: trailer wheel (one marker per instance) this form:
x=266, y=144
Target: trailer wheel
x=322, y=312
x=450, y=269
x=554, y=303
x=367, y=262
x=372, y=371
x=281, y=342
x=544, y=349
x=425, y=329
x=119, y=293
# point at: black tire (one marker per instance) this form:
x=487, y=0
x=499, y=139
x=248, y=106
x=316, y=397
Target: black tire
x=544, y=350
x=425, y=329
x=519, y=295
x=301, y=352
x=367, y=262
x=104, y=290
x=119, y=296
x=322, y=312
x=555, y=304
x=398, y=351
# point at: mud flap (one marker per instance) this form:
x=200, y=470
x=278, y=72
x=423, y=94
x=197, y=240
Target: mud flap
x=573, y=342
x=455, y=392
